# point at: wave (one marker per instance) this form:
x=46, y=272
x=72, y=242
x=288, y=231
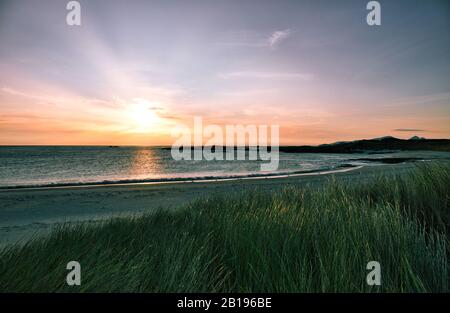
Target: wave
x=183, y=179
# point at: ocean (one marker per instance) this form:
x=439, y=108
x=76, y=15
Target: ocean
x=33, y=166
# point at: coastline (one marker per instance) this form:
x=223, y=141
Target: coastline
x=25, y=213
x=269, y=236
x=46, y=174
x=181, y=180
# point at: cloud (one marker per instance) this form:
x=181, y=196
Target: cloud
x=419, y=100
x=15, y=92
x=243, y=38
x=267, y=75
x=253, y=39
x=278, y=36
x=409, y=130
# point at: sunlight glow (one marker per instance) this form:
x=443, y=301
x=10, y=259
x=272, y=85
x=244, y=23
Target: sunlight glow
x=141, y=115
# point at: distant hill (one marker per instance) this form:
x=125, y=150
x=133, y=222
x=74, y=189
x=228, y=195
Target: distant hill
x=376, y=144
x=387, y=143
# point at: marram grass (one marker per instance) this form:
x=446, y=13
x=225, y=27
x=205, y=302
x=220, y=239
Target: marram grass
x=297, y=240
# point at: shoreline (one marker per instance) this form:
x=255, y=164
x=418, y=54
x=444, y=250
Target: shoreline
x=25, y=213
x=339, y=169
x=172, y=178
x=270, y=231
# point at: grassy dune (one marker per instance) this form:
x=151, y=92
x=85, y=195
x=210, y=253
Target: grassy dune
x=297, y=240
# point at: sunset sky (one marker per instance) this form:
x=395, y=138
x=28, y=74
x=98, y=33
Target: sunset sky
x=135, y=69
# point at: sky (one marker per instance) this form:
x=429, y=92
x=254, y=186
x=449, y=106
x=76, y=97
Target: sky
x=134, y=70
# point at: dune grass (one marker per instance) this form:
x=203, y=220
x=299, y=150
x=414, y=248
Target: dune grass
x=297, y=240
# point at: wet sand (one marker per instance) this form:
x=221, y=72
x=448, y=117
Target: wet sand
x=28, y=212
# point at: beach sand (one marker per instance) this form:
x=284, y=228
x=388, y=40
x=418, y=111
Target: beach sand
x=25, y=213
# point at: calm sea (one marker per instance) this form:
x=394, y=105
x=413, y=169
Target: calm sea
x=57, y=165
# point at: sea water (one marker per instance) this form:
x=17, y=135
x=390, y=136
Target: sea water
x=22, y=166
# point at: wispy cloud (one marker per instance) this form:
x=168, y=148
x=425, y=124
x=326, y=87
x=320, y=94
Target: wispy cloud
x=56, y=98
x=409, y=130
x=267, y=75
x=278, y=36
x=243, y=38
x=253, y=39
x=418, y=100
x=15, y=92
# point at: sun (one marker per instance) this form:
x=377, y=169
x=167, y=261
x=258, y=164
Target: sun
x=142, y=115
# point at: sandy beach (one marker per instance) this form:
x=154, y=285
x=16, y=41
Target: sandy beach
x=28, y=212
